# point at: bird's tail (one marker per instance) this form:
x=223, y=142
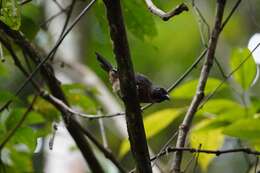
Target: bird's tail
x=104, y=63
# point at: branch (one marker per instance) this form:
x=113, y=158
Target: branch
x=182, y=77
x=24, y=2
x=40, y=61
x=215, y=152
x=109, y=155
x=47, y=73
x=166, y=15
x=228, y=76
x=134, y=119
x=69, y=13
x=186, y=124
x=59, y=105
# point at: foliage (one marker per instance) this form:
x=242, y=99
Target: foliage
x=163, y=51
x=10, y=13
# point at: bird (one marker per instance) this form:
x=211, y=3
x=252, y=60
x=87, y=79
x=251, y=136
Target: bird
x=146, y=91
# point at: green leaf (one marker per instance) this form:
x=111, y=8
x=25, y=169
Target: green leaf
x=24, y=135
x=153, y=124
x=158, y=121
x=77, y=95
x=139, y=20
x=188, y=89
x=248, y=129
x=225, y=110
x=16, y=115
x=22, y=161
x=10, y=13
x=46, y=109
x=5, y=96
x=208, y=139
x=246, y=73
x=31, y=17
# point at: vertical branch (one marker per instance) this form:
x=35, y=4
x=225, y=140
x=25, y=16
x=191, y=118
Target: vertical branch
x=134, y=119
x=186, y=124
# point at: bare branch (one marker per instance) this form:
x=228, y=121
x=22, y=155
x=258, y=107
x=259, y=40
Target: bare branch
x=231, y=13
x=215, y=152
x=134, y=119
x=227, y=77
x=185, y=126
x=106, y=152
x=166, y=15
x=47, y=73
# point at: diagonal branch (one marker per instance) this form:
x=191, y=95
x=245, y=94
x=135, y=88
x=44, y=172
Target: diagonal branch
x=42, y=61
x=54, y=86
x=186, y=124
x=58, y=104
x=166, y=15
x=134, y=119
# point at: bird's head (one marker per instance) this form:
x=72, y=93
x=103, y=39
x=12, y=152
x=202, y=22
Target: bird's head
x=159, y=95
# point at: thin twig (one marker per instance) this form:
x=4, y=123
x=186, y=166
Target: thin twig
x=166, y=145
x=227, y=77
x=186, y=167
x=58, y=4
x=202, y=20
x=106, y=152
x=215, y=152
x=18, y=125
x=44, y=23
x=185, y=126
x=256, y=163
x=71, y=6
x=230, y=14
x=182, y=77
x=197, y=159
x=166, y=15
x=24, y=2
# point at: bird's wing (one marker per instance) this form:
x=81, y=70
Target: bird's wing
x=144, y=87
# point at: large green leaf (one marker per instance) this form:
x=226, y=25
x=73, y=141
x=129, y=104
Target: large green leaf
x=25, y=135
x=10, y=13
x=154, y=123
x=248, y=129
x=138, y=19
x=46, y=109
x=16, y=115
x=246, y=73
x=208, y=139
x=77, y=95
x=31, y=17
x=188, y=89
x=225, y=110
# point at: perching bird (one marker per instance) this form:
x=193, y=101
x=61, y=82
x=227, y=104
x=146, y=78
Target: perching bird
x=147, y=93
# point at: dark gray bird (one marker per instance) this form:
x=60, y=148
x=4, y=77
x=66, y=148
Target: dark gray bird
x=147, y=93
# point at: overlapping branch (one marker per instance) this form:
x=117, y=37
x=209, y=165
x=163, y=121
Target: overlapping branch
x=135, y=126
x=186, y=124
x=166, y=15
x=215, y=152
